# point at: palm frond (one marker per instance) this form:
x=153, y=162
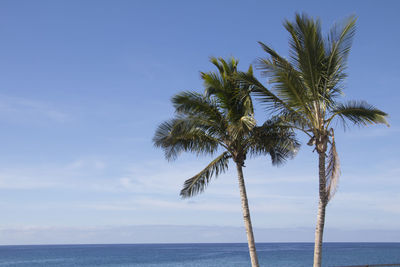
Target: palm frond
x=307, y=51
x=359, y=113
x=273, y=138
x=226, y=91
x=199, y=182
x=230, y=67
x=338, y=45
x=289, y=83
x=332, y=171
x=184, y=135
x=296, y=120
x=216, y=63
x=266, y=97
x=200, y=106
x=340, y=40
x=194, y=103
x=213, y=83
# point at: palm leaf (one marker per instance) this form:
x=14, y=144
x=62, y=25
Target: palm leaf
x=307, y=50
x=184, y=135
x=212, y=82
x=289, y=83
x=199, y=182
x=332, y=171
x=359, y=113
x=195, y=103
x=340, y=40
x=199, y=106
x=274, y=139
x=266, y=97
x=338, y=45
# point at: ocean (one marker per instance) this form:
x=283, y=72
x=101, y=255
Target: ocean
x=196, y=255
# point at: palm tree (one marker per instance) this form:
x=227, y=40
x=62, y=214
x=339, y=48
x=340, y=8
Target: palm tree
x=305, y=93
x=222, y=119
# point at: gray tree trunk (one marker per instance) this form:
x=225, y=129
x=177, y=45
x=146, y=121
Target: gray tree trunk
x=323, y=201
x=246, y=217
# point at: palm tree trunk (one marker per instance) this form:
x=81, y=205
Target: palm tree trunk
x=323, y=201
x=246, y=217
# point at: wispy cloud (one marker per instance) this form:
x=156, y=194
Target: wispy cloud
x=202, y=205
x=142, y=191
x=181, y=234
x=76, y=174
x=24, y=110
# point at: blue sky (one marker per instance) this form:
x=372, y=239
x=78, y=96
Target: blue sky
x=84, y=84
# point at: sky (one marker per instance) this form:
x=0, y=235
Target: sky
x=84, y=84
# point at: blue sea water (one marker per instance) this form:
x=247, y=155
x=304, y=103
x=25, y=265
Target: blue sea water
x=195, y=255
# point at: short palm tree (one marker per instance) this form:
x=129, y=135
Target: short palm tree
x=305, y=94
x=222, y=119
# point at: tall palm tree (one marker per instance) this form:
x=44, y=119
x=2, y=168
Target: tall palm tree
x=305, y=93
x=222, y=119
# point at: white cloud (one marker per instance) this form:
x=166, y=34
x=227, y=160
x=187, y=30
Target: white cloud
x=152, y=188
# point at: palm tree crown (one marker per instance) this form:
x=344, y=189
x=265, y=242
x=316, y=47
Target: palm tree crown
x=307, y=87
x=221, y=118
